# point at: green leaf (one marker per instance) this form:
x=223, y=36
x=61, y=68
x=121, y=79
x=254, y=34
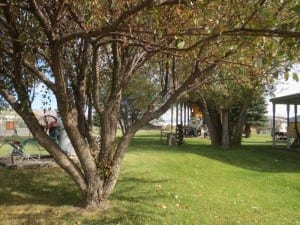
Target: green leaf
x=180, y=44
x=196, y=22
x=296, y=9
x=286, y=76
x=160, y=34
x=295, y=77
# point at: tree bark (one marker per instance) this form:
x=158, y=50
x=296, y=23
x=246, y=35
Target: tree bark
x=247, y=130
x=212, y=117
x=225, y=128
x=94, y=197
x=238, y=131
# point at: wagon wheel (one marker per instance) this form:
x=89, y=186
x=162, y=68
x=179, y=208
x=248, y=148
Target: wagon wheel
x=46, y=120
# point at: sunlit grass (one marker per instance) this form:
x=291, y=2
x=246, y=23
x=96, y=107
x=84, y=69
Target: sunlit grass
x=191, y=184
x=30, y=148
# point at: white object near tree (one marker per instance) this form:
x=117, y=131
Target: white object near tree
x=63, y=140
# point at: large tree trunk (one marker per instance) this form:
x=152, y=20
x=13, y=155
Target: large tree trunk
x=247, y=130
x=225, y=128
x=212, y=117
x=238, y=129
x=100, y=188
x=101, y=183
x=94, y=196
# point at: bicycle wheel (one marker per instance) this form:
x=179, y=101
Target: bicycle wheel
x=31, y=150
x=16, y=155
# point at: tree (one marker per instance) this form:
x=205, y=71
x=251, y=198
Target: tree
x=88, y=52
x=232, y=119
x=135, y=100
x=238, y=86
x=256, y=115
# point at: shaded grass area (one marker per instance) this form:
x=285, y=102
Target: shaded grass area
x=192, y=184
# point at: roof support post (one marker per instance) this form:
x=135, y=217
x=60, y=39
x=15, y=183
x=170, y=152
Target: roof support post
x=172, y=115
x=273, y=125
x=288, y=140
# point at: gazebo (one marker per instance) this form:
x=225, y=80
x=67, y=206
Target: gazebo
x=287, y=100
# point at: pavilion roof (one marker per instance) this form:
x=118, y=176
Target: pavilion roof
x=287, y=99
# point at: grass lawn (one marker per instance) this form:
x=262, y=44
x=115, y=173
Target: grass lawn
x=192, y=184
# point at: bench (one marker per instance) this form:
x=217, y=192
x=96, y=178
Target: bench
x=164, y=134
x=280, y=136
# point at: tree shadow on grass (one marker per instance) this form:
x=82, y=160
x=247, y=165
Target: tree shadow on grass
x=37, y=186
x=259, y=158
x=253, y=156
x=134, y=201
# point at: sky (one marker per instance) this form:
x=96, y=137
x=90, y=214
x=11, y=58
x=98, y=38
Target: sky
x=41, y=102
x=285, y=88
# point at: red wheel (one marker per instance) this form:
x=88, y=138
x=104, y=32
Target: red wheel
x=46, y=121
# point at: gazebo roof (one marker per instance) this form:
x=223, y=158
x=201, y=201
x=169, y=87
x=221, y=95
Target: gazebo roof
x=287, y=99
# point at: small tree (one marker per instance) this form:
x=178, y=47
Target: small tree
x=256, y=115
x=135, y=100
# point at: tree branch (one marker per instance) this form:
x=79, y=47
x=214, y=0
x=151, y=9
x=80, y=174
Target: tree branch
x=263, y=33
x=45, y=22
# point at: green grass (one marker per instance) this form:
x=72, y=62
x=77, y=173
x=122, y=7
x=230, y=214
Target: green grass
x=192, y=184
x=31, y=147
